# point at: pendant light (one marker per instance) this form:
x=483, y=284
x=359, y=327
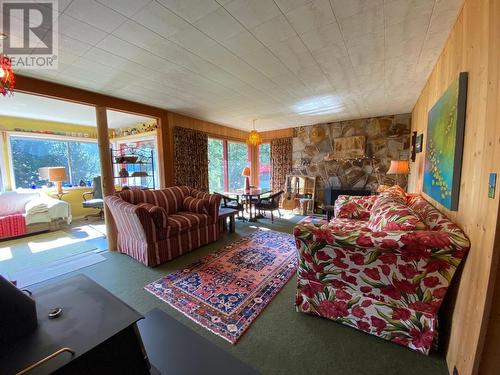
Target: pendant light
x=6, y=76
x=254, y=138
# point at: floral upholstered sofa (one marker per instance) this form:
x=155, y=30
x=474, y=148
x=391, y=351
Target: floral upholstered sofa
x=155, y=226
x=382, y=266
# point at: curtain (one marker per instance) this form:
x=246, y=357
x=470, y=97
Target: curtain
x=190, y=158
x=281, y=162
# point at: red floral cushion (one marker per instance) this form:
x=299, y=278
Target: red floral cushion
x=390, y=213
x=354, y=207
x=396, y=190
x=196, y=205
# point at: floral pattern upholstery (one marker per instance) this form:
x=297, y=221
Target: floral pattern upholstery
x=389, y=284
x=354, y=207
x=391, y=213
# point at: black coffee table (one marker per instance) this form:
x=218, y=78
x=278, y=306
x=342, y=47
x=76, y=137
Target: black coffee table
x=175, y=349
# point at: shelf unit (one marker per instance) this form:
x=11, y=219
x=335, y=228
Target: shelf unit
x=133, y=167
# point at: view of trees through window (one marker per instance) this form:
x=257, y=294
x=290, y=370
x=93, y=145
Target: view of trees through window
x=215, y=165
x=265, y=166
x=235, y=162
x=237, y=155
x=81, y=160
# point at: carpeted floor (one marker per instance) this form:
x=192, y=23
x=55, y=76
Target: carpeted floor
x=280, y=341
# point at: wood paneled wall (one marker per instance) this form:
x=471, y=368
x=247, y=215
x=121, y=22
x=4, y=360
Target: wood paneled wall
x=473, y=46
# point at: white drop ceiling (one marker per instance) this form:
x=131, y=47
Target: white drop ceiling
x=39, y=108
x=283, y=62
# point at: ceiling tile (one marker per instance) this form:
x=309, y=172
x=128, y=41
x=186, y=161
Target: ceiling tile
x=252, y=13
x=370, y=22
x=324, y=37
x=243, y=43
x=95, y=14
x=191, y=10
x=407, y=10
x=311, y=16
x=219, y=25
x=348, y=8
x=275, y=30
x=78, y=30
x=161, y=20
x=126, y=7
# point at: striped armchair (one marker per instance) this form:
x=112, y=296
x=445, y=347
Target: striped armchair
x=155, y=226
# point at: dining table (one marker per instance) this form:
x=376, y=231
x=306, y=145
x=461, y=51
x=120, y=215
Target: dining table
x=250, y=196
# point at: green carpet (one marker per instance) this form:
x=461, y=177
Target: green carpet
x=280, y=341
x=39, y=250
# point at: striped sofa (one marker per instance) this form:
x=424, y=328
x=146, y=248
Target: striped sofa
x=155, y=226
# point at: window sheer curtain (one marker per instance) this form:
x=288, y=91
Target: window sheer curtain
x=190, y=158
x=281, y=162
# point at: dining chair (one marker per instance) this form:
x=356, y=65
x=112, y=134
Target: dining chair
x=270, y=203
x=233, y=203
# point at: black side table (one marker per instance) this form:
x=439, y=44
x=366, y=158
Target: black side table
x=96, y=333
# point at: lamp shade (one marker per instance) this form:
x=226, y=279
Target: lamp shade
x=57, y=174
x=246, y=172
x=399, y=167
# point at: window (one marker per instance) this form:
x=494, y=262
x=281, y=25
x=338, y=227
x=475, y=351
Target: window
x=226, y=161
x=28, y=154
x=216, y=165
x=237, y=160
x=265, y=166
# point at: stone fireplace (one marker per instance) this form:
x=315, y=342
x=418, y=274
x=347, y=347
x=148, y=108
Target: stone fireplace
x=387, y=138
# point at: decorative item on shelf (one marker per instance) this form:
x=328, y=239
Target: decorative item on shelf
x=130, y=159
x=139, y=174
x=7, y=78
x=246, y=173
x=399, y=167
x=123, y=173
x=444, y=145
x=254, y=138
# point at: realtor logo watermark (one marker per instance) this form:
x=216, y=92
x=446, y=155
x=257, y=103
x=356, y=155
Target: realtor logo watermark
x=32, y=33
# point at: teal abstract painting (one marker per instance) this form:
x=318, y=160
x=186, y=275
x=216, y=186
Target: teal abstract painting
x=444, y=147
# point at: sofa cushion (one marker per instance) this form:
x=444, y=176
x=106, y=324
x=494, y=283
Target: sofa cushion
x=170, y=198
x=397, y=191
x=159, y=214
x=186, y=221
x=195, y=205
x=354, y=207
x=390, y=213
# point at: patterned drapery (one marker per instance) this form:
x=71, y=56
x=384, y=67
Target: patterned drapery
x=281, y=162
x=190, y=158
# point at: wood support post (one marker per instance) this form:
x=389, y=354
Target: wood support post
x=107, y=180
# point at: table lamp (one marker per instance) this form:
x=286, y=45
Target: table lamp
x=57, y=175
x=246, y=174
x=399, y=167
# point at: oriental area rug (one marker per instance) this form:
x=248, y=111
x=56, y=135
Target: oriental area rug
x=225, y=291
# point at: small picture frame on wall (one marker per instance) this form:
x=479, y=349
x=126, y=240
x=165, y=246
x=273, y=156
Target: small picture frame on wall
x=419, y=142
x=413, y=145
x=492, y=184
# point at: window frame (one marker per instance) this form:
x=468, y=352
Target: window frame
x=225, y=158
x=52, y=137
x=257, y=150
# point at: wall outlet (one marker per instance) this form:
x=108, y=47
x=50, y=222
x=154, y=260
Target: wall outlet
x=455, y=371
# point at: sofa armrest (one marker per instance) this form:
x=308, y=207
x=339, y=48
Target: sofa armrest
x=159, y=214
x=213, y=202
x=132, y=220
x=354, y=207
